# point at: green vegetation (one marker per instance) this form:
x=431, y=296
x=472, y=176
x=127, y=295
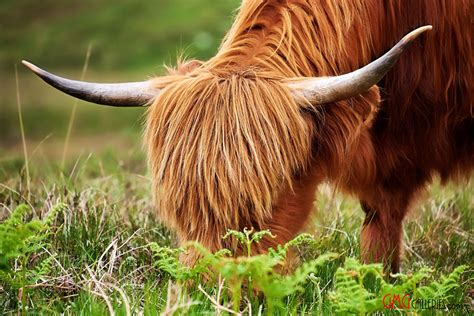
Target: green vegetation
x=88, y=242
x=85, y=239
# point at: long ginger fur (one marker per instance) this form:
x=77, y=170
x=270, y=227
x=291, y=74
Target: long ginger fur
x=229, y=148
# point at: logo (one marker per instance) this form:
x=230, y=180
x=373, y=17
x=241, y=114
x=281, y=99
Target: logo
x=405, y=302
x=397, y=301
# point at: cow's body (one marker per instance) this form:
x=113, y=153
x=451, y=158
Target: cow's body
x=424, y=126
x=234, y=143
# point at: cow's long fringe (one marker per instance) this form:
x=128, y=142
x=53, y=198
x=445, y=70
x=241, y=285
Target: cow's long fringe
x=221, y=148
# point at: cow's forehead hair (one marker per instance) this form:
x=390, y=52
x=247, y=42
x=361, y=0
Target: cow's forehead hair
x=210, y=137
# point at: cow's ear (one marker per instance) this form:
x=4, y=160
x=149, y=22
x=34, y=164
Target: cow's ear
x=367, y=104
x=185, y=67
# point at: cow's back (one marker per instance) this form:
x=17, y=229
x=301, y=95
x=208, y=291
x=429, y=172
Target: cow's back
x=426, y=123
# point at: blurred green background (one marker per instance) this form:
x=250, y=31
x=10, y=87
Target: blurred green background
x=130, y=40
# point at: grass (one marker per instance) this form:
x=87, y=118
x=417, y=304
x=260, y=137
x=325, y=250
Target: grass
x=104, y=251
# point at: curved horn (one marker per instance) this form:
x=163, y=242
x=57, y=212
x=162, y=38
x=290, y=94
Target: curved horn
x=132, y=94
x=331, y=89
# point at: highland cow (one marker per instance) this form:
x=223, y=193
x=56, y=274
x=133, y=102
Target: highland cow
x=244, y=139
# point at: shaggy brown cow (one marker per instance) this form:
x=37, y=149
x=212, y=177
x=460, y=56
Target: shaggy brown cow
x=243, y=140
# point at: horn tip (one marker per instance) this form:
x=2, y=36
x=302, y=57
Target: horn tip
x=425, y=28
x=417, y=32
x=27, y=63
x=32, y=67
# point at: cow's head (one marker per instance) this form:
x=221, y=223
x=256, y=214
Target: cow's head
x=223, y=145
